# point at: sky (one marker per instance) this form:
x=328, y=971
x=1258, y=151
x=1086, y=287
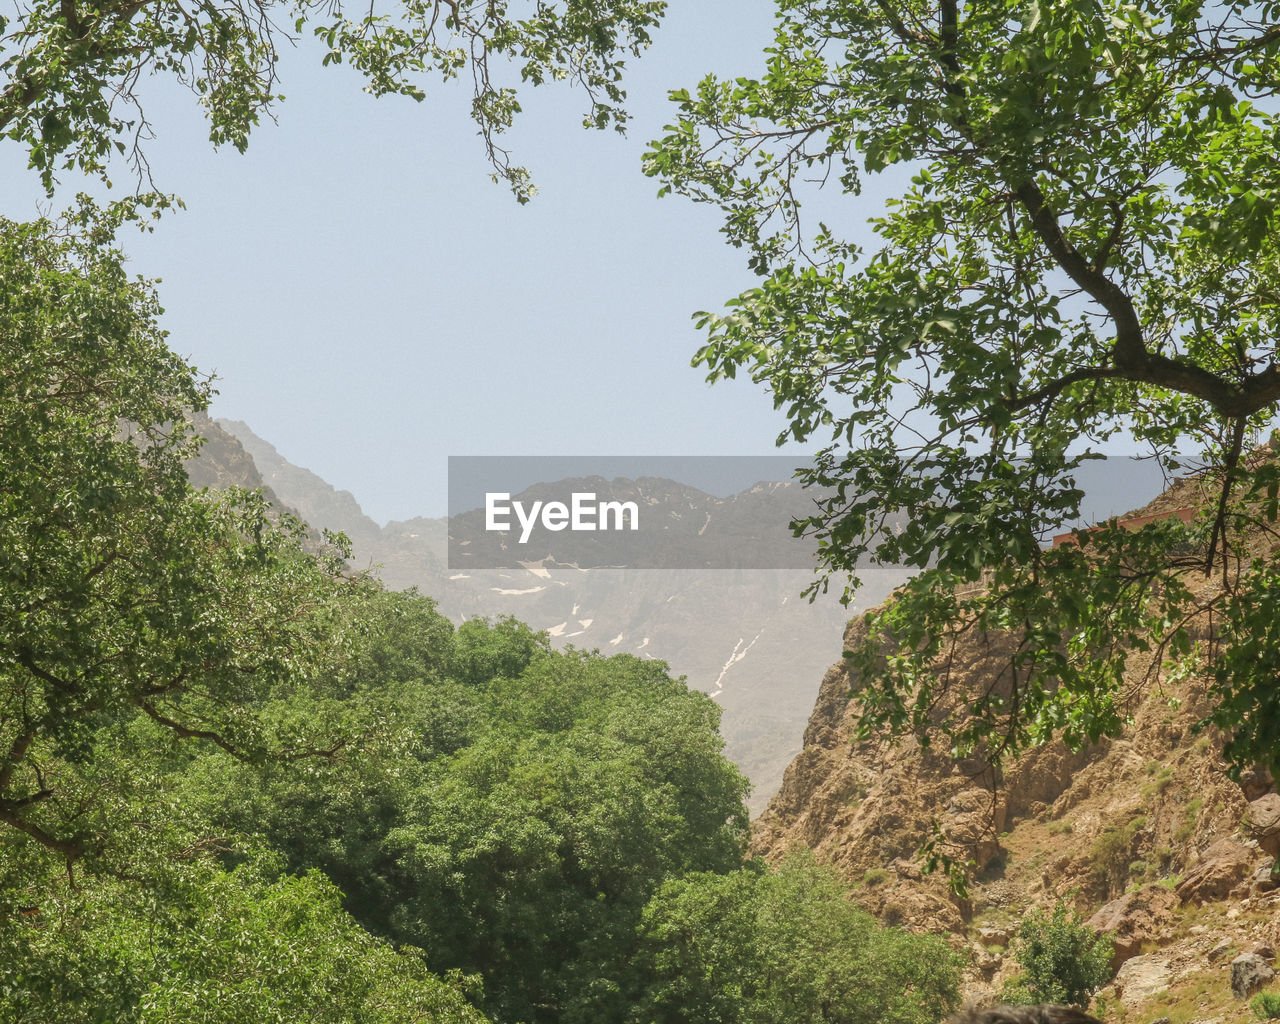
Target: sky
x=372, y=303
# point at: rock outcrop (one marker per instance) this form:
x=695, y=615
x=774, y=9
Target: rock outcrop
x=1136, y=919
x=1249, y=972
x=1218, y=873
x=1262, y=823
x=1145, y=834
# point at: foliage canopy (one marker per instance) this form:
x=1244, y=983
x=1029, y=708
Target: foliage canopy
x=70, y=73
x=1084, y=254
x=511, y=826
x=1063, y=960
x=208, y=945
x=781, y=948
x=122, y=591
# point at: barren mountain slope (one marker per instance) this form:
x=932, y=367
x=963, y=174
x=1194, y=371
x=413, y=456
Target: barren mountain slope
x=1147, y=824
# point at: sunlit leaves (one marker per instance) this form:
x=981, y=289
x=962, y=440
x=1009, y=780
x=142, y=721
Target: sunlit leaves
x=1083, y=257
x=124, y=593
x=784, y=946
x=71, y=87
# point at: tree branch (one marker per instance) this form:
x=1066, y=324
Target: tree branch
x=187, y=733
x=1130, y=357
x=1228, y=473
x=72, y=851
x=16, y=753
x=1055, y=388
x=23, y=92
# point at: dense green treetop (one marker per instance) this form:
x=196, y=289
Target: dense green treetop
x=511, y=826
x=1063, y=960
x=1085, y=255
x=207, y=945
x=122, y=591
x=784, y=947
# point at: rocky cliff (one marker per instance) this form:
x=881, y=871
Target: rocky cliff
x=1144, y=832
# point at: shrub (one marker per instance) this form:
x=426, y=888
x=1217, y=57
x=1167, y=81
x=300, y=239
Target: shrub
x=1185, y=830
x=1063, y=960
x=783, y=947
x=874, y=877
x=1266, y=1005
x=1112, y=852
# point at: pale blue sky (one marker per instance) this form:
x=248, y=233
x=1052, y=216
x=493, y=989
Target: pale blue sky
x=372, y=303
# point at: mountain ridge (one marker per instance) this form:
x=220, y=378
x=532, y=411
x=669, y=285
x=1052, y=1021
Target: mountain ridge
x=745, y=636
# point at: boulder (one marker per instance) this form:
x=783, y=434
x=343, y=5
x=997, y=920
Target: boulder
x=1221, y=869
x=1249, y=972
x=1264, y=880
x=997, y=935
x=1256, y=781
x=1262, y=822
x=1140, y=978
x=976, y=818
x=1134, y=919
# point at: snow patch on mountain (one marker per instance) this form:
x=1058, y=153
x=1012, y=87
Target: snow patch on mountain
x=739, y=652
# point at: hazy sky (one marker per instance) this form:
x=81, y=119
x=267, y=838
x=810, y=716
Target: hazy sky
x=372, y=303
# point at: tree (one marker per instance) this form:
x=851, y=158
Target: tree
x=142, y=621
x=1084, y=254
x=124, y=594
x=511, y=827
x=209, y=945
x=483, y=651
x=784, y=947
x=70, y=73
x=1063, y=960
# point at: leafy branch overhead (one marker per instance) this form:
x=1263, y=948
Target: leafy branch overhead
x=1085, y=255
x=72, y=73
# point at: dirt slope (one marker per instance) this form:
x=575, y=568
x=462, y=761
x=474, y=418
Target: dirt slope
x=1151, y=814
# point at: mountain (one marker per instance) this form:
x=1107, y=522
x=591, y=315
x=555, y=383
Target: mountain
x=745, y=636
x=315, y=501
x=223, y=460
x=1143, y=834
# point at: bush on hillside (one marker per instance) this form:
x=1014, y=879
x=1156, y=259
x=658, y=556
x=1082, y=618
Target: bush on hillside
x=1063, y=960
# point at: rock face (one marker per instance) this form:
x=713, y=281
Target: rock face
x=1134, y=919
x=1141, y=978
x=1141, y=834
x=320, y=504
x=1262, y=823
x=1095, y=820
x=1249, y=972
x=1220, y=870
x=223, y=461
